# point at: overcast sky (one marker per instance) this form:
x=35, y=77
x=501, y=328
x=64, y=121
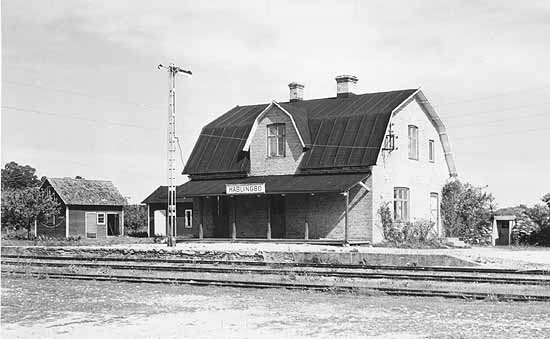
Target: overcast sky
x=81, y=94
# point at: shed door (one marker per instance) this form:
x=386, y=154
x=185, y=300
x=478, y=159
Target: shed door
x=503, y=227
x=91, y=225
x=160, y=222
x=113, y=224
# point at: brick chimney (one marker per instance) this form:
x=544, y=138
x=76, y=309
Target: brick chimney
x=345, y=85
x=296, y=91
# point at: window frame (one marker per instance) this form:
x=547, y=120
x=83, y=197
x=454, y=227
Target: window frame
x=104, y=218
x=186, y=224
x=280, y=140
x=416, y=155
x=431, y=150
x=401, y=202
x=438, y=209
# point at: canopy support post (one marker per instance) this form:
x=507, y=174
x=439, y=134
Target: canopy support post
x=201, y=219
x=306, y=222
x=346, y=195
x=234, y=224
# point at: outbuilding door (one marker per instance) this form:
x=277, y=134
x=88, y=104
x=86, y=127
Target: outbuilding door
x=91, y=225
x=503, y=227
x=113, y=224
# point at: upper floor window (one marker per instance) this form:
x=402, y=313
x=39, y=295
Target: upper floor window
x=431, y=150
x=413, y=142
x=276, y=140
x=401, y=204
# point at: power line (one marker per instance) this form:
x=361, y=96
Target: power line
x=79, y=118
x=473, y=99
x=480, y=123
x=459, y=115
x=61, y=90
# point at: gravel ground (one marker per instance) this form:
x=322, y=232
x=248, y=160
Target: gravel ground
x=33, y=308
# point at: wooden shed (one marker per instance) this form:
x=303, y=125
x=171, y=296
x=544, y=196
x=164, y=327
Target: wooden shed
x=89, y=208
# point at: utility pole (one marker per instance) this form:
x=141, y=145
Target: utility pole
x=172, y=71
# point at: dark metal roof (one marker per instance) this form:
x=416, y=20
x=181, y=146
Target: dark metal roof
x=160, y=195
x=86, y=192
x=339, y=132
x=276, y=184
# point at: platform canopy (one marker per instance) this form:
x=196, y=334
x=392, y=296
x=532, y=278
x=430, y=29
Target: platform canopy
x=276, y=184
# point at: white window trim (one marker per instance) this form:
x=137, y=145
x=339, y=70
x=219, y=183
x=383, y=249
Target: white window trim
x=431, y=150
x=104, y=218
x=190, y=219
x=417, y=155
x=268, y=137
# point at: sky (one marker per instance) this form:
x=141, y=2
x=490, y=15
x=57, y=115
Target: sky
x=81, y=94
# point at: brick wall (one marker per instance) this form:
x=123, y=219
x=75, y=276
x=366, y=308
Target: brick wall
x=395, y=169
x=325, y=214
x=260, y=164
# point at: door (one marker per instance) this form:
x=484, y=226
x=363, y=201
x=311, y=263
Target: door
x=434, y=210
x=113, y=224
x=91, y=225
x=503, y=227
x=278, y=217
x=160, y=223
x=220, y=215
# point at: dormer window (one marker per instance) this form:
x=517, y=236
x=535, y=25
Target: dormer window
x=276, y=140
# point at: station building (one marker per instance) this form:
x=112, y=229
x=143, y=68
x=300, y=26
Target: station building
x=318, y=170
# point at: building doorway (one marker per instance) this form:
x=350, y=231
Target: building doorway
x=160, y=223
x=113, y=224
x=220, y=215
x=503, y=228
x=278, y=216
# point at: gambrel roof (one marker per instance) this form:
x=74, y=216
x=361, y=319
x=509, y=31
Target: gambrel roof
x=338, y=133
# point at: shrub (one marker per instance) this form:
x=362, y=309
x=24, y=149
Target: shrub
x=467, y=212
x=135, y=218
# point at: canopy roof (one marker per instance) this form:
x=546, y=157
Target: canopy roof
x=276, y=184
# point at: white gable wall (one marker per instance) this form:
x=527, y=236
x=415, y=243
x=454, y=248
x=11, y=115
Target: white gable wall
x=395, y=169
x=260, y=163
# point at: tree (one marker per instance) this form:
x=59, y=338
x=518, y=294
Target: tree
x=15, y=176
x=466, y=212
x=546, y=199
x=21, y=207
x=135, y=218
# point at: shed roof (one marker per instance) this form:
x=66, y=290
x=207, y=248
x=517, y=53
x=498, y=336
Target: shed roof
x=160, y=195
x=338, y=132
x=86, y=192
x=276, y=184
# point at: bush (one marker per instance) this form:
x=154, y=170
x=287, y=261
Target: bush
x=138, y=234
x=467, y=212
x=135, y=219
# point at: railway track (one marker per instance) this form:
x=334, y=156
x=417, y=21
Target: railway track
x=288, y=264
x=288, y=285
x=358, y=272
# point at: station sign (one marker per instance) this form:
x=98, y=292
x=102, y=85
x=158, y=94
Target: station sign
x=244, y=188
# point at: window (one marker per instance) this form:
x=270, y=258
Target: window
x=101, y=218
x=431, y=150
x=413, y=142
x=188, y=218
x=276, y=135
x=401, y=204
